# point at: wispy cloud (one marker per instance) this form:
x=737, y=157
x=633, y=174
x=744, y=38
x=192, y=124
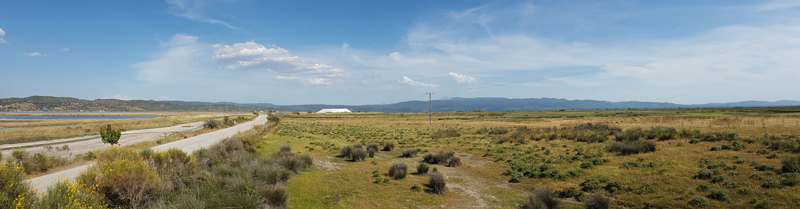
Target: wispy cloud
x=193, y=10
x=462, y=78
x=119, y=97
x=408, y=81
x=2, y=32
x=64, y=49
x=3, y=41
x=255, y=56
x=35, y=54
x=777, y=4
x=179, y=59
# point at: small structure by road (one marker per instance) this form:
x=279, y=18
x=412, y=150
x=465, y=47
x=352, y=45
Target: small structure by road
x=334, y=110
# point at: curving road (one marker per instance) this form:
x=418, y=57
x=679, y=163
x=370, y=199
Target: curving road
x=188, y=145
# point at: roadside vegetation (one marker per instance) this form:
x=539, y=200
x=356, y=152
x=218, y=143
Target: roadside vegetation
x=230, y=174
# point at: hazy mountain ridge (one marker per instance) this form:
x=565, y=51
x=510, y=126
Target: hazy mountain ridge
x=37, y=103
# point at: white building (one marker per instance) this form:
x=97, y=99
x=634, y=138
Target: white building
x=334, y=110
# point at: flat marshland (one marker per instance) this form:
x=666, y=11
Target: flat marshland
x=27, y=130
x=637, y=158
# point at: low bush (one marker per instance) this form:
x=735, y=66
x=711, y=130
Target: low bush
x=762, y=166
x=719, y=194
x=717, y=179
x=410, y=152
x=212, y=124
x=590, y=184
x=445, y=133
x=761, y=203
x=570, y=192
x=124, y=183
x=438, y=158
x=65, y=194
x=790, y=164
x=597, y=201
x=790, y=179
x=389, y=146
x=703, y=174
x=743, y=191
x=542, y=197
x=771, y=183
x=694, y=141
x=15, y=192
x=453, y=162
x=632, y=147
x=355, y=152
x=436, y=183
x=698, y=201
x=587, y=165
x=422, y=169
x=398, y=171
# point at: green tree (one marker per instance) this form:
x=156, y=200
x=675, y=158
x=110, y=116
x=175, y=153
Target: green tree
x=110, y=135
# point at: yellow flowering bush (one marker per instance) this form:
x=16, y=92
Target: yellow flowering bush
x=127, y=181
x=68, y=195
x=14, y=191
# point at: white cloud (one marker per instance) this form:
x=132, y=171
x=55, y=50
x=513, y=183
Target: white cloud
x=462, y=78
x=193, y=9
x=407, y=81
x=403, y=60
x=119, y=97
x=345, y=46
x=314, y=81
x=255, y=56
x=3, y=41
x=35, y=54
x=2, y=32
x=64, y=49
x=164, y=98
x=181, y=59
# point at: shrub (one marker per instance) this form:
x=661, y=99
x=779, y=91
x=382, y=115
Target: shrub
x=437, y=183
x=285, y=149
x=587, y=165
x=453, y=162
x=64, y=194
x=437, y=158
x=694, y=141
x=771, y=183
x=717, y=179
x=761, y=203
x=516, y=177
x=698, y=201
x=389, y=146
x=790, y=164
x=762, y=167
x=703, y=187
x=422, y=169
x=398, y=171
x=294, y=163
x=790, y=179
x=275, y=195
x=410, y=152
x=212, y=124
x=445, y=133
x=542, y=197
x=110, y=135
x=373, y=147
x=570, y=192
x=703, y=174
x=124, y=183
x=597, y=201
x=743, y=191
x=15, y=192
x=355, y=152
x=590, y=184
x=719, y=194
x=632, y=147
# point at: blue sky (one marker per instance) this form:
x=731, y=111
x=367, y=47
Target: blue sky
x=370, y=52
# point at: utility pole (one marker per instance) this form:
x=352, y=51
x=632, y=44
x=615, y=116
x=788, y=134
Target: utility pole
x=430, y=121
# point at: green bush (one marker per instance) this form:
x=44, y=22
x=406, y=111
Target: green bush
x=590, y=184
x=717, y=179
x=542, y=197
x=276, y=195
x=771, y=183
x=398, y=171
x=355, y=152
x=703, y=187
x=587, y=165
x=597, y=201
x=445, y=133
x=516, y=177
x=698, y=201
x=761, y=203
x=389, y=146
x=743, y=191
x=416, y=188
x=790, y=179
x=632, y=147
x=570, y=192
x=703, y=174
x=694, y=141
x=719, y=194
x=436, y=183
x=790, y=164
x=214, y=124
x=762, y=167
x=124, y=183
x=110, y=135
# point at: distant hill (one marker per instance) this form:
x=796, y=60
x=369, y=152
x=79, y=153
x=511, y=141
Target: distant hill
x=68, y=104
x=36, y=103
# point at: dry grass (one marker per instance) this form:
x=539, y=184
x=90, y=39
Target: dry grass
x=478, y=181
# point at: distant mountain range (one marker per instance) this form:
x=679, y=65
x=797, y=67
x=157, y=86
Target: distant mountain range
x=64, y=104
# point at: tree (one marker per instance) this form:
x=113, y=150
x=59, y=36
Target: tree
x=110, y=135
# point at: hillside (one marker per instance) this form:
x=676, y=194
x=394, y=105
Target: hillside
x=36, y=103
x=68, y=104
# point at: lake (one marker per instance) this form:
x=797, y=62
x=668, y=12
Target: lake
x=38, y=117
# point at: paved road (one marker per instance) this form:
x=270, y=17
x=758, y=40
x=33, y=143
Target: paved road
x=188, y=145
x=80, y=145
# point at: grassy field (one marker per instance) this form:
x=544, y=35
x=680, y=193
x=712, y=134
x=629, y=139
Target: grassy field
x=708, y=157
x=39, y=130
